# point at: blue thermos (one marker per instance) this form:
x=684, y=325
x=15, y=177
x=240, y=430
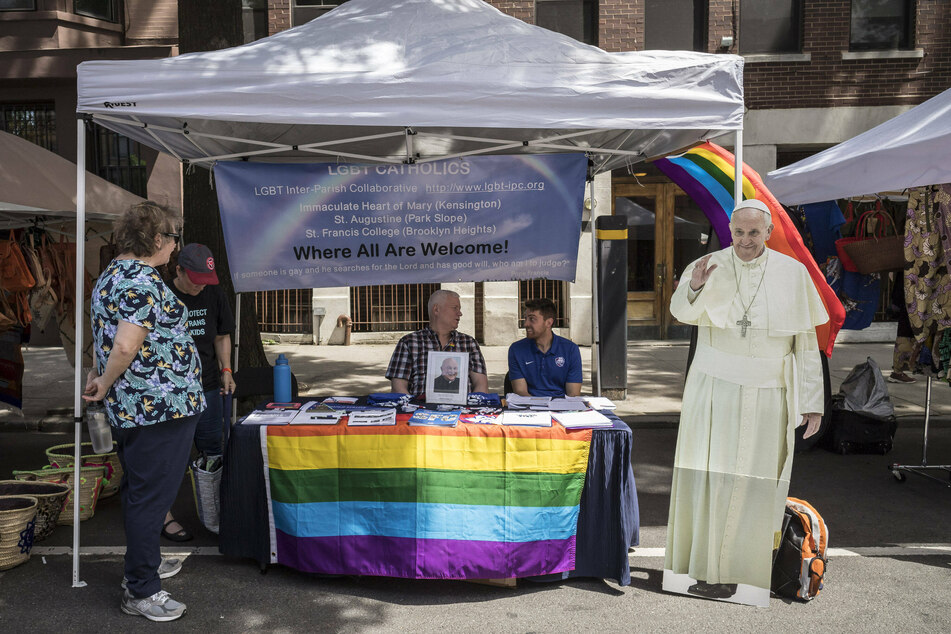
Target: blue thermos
x=282, y=380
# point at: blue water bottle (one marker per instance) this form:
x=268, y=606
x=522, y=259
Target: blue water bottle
x=282, y=380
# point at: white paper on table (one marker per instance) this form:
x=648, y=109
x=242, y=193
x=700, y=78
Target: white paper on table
x=599, y=402
x=483, y=419
x=270, y=417
x=516, y=401
x=340, y=400
x=527, y=419
x=582, y=420
x=369, y=417
x=313, y=413
x=567, y=404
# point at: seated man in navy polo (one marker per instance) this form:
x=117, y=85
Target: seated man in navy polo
x=544, y=364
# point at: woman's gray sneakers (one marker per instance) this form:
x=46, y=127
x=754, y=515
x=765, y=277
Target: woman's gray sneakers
x=158, y=607
x=169, y=567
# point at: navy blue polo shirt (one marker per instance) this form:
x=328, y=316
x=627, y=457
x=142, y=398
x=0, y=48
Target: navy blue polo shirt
x=546, y=374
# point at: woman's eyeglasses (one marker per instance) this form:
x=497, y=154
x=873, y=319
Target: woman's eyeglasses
x=174, y=236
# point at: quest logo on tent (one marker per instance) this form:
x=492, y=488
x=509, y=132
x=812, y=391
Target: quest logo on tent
x=118, y=104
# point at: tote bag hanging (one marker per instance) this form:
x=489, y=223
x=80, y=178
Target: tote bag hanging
x=873, y=253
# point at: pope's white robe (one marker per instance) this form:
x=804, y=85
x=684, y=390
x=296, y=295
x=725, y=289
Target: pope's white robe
x=743, y=398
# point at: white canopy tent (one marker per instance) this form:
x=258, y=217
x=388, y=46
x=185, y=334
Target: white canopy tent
x=909, y=150
x=396, y=81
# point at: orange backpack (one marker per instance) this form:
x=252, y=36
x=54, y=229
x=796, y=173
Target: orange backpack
x=799, y=563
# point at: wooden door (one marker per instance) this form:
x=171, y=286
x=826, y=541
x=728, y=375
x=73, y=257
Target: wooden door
x=666, y=231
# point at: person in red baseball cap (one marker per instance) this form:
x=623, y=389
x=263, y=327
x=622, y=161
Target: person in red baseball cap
x=198, y=264
x=210, y=322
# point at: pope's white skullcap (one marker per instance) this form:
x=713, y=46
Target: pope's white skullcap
x=752, y=203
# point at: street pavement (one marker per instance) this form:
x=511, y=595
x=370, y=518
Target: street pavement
x=889, y=570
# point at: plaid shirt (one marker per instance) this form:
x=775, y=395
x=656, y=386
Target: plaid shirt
x=409, y=359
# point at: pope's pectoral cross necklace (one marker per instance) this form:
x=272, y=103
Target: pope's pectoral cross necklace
x=745, y=322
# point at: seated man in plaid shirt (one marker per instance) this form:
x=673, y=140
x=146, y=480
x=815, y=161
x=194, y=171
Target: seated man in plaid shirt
x=407, y=369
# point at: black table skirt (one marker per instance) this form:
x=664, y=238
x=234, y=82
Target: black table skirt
x=608, y=521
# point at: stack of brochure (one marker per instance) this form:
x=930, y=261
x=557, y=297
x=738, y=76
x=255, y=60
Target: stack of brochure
x=372, y=417
x=527, y=419
x=483, y=419
x=428, y=417
x=273, y=414
x=567, y=404
x=587, y=419
x=599, y=402
x=314, y=413
x=340, y=400
x=514, y=401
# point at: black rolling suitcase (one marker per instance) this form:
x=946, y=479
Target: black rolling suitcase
x=863, y=418
x=852, y=432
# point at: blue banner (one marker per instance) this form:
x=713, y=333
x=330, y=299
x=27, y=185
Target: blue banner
x=486, y=218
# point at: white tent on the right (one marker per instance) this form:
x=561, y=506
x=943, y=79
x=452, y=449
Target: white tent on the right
x=910, y=150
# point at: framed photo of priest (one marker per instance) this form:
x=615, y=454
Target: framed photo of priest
x=447, y=377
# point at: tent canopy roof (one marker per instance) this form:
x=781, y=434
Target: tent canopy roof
x=35, y=181
x=909, y=150
x=463, y=75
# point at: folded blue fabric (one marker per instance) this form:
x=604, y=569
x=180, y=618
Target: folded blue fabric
x=388, y=399
x=483, y=399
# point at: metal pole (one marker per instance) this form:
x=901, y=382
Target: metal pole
x=595, y=326
x=78, y=358
x=738, y=169
x=234, y=357
x=924, y=440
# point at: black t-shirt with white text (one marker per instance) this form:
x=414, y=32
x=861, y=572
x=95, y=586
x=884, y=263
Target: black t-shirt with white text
x=209, y=315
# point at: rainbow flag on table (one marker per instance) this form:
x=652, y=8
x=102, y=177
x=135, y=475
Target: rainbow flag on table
x=707, y=174
x=474, y=501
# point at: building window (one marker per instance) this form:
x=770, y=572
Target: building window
x=675, y=25
x=107, y=10
x=770, y=26
x=35, y=122
x=286, y=311
x=555, y=290
x=392, y=307
x=880, y=25
x=118, y=159
x=574, y=18
x=306, y=10
x=17, y=5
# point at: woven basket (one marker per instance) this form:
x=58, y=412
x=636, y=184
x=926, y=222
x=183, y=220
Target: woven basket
x=62, y=456
x=50, y=498
x=17, y=519
x=90, y=485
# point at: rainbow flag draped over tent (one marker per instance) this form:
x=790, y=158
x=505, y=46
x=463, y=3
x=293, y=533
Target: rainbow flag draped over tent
x=475, y=501
x=706, y=173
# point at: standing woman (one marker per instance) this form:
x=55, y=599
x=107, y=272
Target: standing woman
x=148, y=375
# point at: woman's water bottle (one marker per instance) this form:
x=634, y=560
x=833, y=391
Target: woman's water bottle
x=100, y=432
x=282, y=380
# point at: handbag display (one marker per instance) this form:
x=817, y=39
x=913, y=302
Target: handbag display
x=875, y=253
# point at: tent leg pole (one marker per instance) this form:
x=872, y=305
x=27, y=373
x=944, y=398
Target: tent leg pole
x=595, y=326
x=235, y=355
x=80, y=300
x=738, y=167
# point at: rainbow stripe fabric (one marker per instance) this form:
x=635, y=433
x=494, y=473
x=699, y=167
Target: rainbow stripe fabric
x=470, y=502
x=706, y=173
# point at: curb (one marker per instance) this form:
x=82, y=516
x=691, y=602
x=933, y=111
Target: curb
x=51, y=423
